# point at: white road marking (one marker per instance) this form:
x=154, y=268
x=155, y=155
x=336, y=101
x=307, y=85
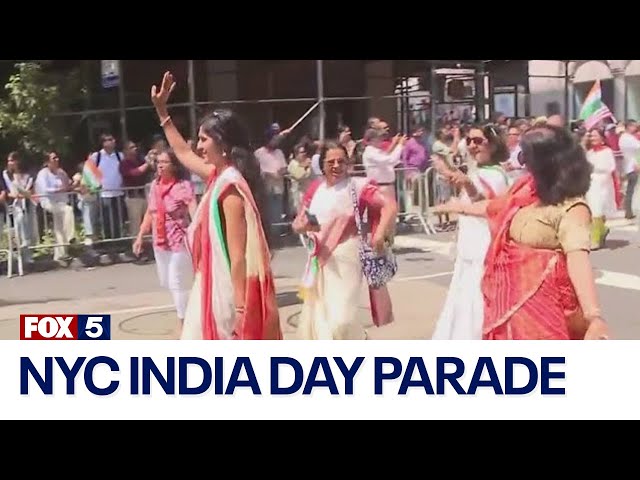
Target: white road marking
x=618, y=280
x=607, y=278
x=604, y=277
x=423, y=277
x=620, y=223
x=626, y=229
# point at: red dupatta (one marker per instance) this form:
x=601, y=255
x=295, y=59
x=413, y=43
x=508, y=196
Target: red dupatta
x=528, y=294
x=163, y=188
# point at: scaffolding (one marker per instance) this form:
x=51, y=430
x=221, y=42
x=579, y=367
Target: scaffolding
x=432, y=70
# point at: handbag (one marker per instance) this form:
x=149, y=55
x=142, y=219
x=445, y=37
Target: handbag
x=377, y=269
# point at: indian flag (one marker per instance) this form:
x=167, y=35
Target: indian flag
x=91, y=176
x=594, y=110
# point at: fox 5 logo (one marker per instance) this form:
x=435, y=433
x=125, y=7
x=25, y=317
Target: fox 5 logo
x=65, y=327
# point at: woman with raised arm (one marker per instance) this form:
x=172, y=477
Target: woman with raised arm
x=538, y=282
x=463, y=312
x=233, y=297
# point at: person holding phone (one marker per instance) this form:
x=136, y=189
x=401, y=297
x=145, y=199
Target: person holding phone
x=333, y=276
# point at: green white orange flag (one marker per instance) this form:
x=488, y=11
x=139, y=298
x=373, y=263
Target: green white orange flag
x=594, y=110
x=91, y=176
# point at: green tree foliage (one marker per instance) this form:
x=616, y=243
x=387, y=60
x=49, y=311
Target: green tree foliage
x=32, y=97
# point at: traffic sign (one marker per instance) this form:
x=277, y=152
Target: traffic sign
x=110, y=73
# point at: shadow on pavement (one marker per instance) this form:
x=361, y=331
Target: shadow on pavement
x=406, y=251
x=288, y=299
x=616, y=244
x=4, y=303
x=428, y=259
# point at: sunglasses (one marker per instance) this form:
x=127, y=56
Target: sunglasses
x=336, y=162
x=475, y=140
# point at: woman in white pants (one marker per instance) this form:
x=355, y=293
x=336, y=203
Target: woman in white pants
x=171, y=206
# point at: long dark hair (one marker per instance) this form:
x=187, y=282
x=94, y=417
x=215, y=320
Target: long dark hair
x=229, y=132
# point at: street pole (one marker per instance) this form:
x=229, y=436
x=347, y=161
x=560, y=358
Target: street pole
x=321, y=106
x=483, y=94
x=121, y=103
x=434, y=95
x=567, y=113
x=192, y=101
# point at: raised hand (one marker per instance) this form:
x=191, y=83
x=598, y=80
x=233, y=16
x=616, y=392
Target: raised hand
x=161, y=97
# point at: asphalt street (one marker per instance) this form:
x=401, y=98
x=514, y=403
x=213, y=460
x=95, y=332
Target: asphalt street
x=140, y=309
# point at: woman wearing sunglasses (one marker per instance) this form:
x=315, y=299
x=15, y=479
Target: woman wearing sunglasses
x=463, y=312
x=538, y=282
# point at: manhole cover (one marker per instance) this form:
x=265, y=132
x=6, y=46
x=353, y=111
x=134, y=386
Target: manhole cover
x=153, y=324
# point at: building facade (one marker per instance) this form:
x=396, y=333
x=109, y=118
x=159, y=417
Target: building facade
x=344, y=92
x=551, y=82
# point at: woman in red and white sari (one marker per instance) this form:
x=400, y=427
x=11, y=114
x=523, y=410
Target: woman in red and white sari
x=233, y=295
x=333, y=278
x=538, y=282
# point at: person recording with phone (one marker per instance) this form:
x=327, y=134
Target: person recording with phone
x=380, y=160
x=333, y=275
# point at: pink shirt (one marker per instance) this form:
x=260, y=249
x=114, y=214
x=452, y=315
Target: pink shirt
x=176, y=204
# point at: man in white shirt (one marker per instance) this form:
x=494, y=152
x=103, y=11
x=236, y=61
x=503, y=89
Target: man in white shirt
x=108, y=162
x=630, y=147
x=514, y=168
x=53, y=185
x=379, y=162
x=273, y=166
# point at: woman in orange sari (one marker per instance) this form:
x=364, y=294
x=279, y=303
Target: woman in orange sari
x=538, y=282
x=233, y=295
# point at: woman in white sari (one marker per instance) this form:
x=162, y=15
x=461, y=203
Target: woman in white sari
x=333, y=278
x=463, y=312
x=601, y=196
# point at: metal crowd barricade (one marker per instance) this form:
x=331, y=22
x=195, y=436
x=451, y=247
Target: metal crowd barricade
x=6, y=237
x=59, y=215
x=110, y=222
x=416, y=206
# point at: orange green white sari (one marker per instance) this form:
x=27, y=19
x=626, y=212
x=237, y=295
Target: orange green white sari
x=211, y=311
